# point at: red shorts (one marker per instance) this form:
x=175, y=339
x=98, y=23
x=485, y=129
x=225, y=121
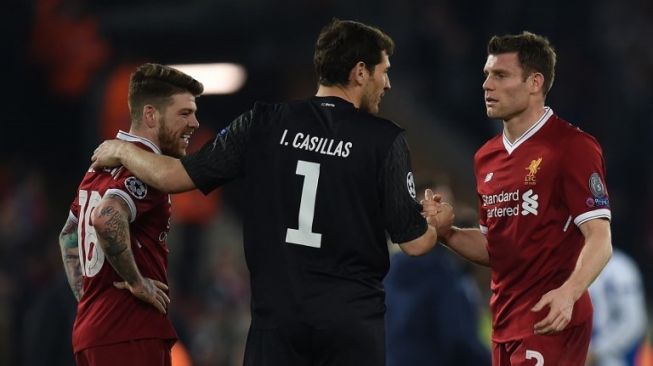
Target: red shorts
x=142, y=352
x=567, y=348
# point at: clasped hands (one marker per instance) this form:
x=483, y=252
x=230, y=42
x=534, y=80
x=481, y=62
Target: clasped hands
x=437, y=213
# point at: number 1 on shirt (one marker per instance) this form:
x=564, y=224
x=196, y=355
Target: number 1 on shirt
x=304, y=235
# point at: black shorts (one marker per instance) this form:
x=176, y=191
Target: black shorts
x=295, y=343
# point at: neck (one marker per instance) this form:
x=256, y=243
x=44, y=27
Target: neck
x=340, y=91
x=147, y=133
x=514, y=127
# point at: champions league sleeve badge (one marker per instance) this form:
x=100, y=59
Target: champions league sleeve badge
x=410, y=183
x=136, y=188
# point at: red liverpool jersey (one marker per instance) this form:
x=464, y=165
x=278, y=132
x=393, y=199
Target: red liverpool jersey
x=106, y=315
x=534, y=193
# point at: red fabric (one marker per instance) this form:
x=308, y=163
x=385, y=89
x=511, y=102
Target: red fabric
x=107, y=315
x=529, y=201
x=144, y=352
x=567, y=348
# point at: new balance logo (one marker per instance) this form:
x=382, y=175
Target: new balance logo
x=530, y=204
x=488, y=177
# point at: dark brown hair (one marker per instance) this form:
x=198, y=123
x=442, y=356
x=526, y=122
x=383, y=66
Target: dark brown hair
x=534, y=52
x=155, y=84
x=344, y=43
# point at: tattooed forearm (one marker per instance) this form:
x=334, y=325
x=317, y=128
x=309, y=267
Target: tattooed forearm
x=70, y=255
x=114, y=231
x=112, y=228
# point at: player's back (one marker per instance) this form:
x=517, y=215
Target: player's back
x=315, y=227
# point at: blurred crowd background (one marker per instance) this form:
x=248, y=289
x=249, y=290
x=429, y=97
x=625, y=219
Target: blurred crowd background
x=66, y=68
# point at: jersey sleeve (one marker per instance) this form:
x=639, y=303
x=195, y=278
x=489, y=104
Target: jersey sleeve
x=140, y=198
x=583, y=180
x=221, y=160
x=402, y=213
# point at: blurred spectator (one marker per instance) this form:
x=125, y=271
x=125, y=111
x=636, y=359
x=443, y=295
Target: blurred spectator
x=620, y=319
x=433, y=306
x=47, y=326
x=192, y=212
x=432, y=312
x=67, y=44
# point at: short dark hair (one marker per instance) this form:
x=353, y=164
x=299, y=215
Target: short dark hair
x=534, y=52
x=344, y=43
x=155, y=84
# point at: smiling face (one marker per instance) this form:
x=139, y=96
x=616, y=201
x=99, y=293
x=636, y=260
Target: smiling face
x=376, y=85
x=507, y=90
x=177, y=122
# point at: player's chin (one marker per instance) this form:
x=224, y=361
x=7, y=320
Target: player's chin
x=491, y=112
x=178, y=153
x=374, y=108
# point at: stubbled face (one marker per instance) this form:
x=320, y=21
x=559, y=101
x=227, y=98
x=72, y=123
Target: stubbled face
x=376, y=85
x=506, y=90
x=176, y=125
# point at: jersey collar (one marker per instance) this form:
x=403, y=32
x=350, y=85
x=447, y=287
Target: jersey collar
x=125, y=136
x=510, y=147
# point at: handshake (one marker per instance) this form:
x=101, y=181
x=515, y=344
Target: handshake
x=437, y=213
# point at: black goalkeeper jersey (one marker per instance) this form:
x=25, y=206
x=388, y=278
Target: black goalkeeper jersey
x=324, y=182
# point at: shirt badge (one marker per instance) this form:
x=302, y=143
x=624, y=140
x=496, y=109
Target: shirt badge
x=533, y=168
x=600, y=196
x=136, y=188
x=410, y=183
x=596, y=186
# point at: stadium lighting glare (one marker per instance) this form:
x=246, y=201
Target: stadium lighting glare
x=218, y=78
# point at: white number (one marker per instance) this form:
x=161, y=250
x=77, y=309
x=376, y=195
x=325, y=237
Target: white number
x=90, y=254
x=304, y=235
x=539, y=359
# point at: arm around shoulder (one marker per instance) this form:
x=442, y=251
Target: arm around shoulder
x=162, y=172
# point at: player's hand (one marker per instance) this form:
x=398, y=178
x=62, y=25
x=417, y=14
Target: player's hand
x=430, y=204
x=106, y=155
x=151, y=291
x=437, y=213
x=561, y=305
x=445, y=218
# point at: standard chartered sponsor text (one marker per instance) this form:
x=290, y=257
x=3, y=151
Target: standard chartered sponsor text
x=500, y=197
x=504, y=206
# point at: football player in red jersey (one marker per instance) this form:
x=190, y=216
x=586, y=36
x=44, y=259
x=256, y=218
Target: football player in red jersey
x=544, y=212
x=114, y=241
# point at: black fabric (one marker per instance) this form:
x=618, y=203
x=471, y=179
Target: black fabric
x=399, y=206
x=352, y=167
x=355, y=343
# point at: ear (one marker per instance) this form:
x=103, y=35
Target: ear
x=150, y=115
x=536, y=83
x=359, y=74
